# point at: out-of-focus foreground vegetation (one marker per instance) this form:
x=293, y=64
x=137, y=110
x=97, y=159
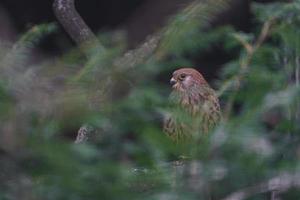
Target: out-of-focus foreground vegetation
x=255, y=150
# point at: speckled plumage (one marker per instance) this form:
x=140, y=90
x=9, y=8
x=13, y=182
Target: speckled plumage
x=196, y=108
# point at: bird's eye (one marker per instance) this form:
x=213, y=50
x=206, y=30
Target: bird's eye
x=182, y=76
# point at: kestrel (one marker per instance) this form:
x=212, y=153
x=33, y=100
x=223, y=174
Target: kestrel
x=196, y=108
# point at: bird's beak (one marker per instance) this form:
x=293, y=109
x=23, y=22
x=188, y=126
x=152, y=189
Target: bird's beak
x=173, y=81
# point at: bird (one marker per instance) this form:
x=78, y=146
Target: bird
x=195, y=107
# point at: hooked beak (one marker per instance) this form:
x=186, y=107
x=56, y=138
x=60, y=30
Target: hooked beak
x=173, y=81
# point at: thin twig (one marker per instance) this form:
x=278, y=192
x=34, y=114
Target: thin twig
x=297, y=83
x=236, y=81
x=279, y=184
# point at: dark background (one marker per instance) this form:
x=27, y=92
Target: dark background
x=138, y=18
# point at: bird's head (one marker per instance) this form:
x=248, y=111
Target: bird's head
x=184, y=79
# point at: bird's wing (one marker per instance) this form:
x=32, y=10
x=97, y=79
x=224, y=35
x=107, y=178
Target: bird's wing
x=175, y=127
x=211, y=113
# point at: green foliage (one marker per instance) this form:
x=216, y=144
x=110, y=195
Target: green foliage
x=128, y=156
x=184, y=27
x=20, y=51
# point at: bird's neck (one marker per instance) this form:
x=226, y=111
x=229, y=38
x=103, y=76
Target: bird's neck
x=190, y=97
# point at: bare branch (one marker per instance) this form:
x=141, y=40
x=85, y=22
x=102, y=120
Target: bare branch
x=140, y=54
x=83, y=134
x=73, y=23
x=276, y=185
